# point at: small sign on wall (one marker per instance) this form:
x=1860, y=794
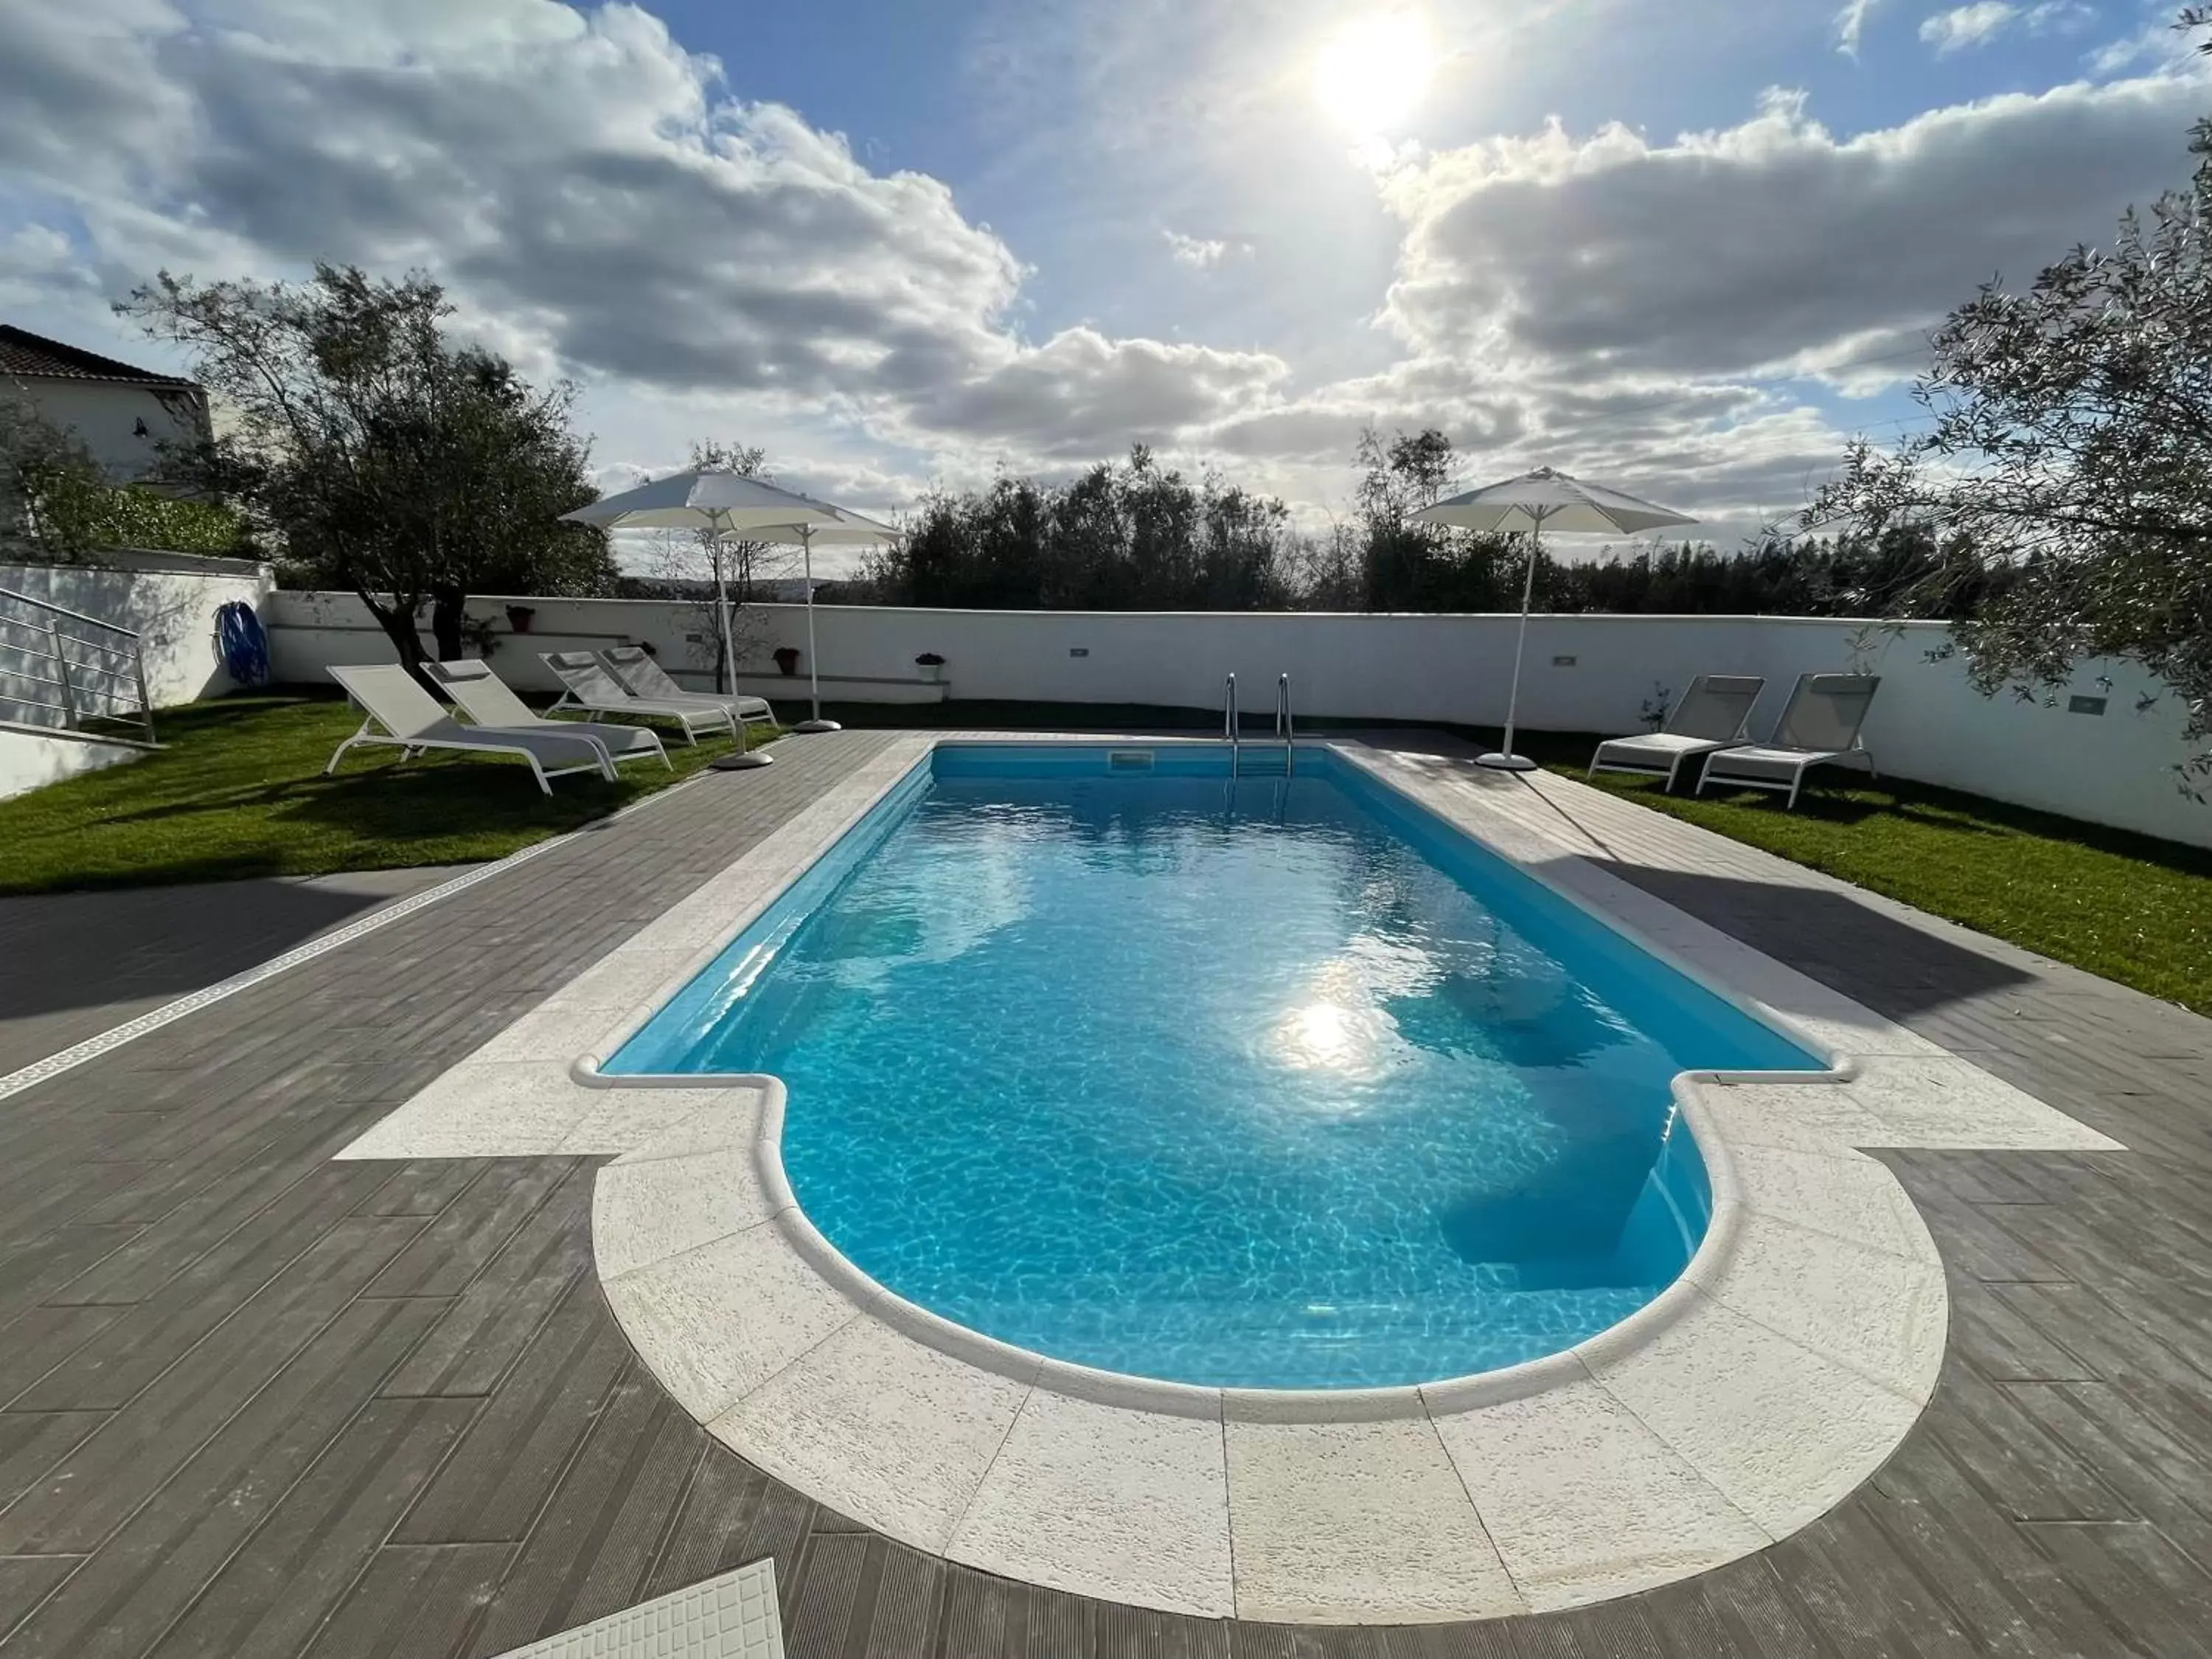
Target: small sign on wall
x=1563, y=662
x=2085, y=705
x=1078, y=650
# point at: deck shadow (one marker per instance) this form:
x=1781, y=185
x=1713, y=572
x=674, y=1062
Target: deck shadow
x=120, y=948
x=1895, y=968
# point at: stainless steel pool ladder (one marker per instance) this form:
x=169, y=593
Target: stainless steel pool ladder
x=1284, y=730
x=1229, y=724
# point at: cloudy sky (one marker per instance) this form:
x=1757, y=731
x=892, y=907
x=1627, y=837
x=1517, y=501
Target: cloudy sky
x=1685, y=247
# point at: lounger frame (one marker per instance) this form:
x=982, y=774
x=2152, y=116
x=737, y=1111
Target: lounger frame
x=707, y=716
x=1800, y=764
x=1791, y=762
x=450, y=735
x=1697, y=748
x=1632, y=754
x=625, y=662
x=639, y=742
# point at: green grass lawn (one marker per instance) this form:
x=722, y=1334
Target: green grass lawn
x=238, y=790
x=2125, y=906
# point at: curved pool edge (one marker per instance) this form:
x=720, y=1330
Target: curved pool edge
x=1768, y=1381
x=867, y=1294
x=1754, y=1393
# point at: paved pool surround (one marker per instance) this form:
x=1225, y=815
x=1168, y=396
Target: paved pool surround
x=1752, y=1396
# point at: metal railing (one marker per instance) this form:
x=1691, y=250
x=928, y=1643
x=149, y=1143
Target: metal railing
x=62, y=669
x=1229, y=724
x=1283, y=727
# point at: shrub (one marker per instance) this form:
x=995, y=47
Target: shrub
x=131, y=515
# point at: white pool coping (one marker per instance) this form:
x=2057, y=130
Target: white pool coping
x=1747, y=1400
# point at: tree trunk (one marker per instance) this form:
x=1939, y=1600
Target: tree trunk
x=447, y=609
x=398, y=622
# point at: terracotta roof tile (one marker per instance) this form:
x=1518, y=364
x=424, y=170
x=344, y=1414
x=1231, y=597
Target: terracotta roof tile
x=22, y=352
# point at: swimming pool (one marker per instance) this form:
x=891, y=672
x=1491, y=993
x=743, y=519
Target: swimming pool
x=1269, y=1083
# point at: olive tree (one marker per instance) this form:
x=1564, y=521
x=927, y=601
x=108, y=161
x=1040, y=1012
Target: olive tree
x=46, y=478
x=372, y=452
x=2069, y=456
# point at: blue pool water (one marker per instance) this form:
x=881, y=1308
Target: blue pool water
x=1276, y=1084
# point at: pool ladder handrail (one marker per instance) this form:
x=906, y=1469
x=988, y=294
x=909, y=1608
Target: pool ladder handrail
x=1229, y=721
x=1286, y=728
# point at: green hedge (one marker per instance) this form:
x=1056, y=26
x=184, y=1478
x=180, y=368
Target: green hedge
x=129, y=515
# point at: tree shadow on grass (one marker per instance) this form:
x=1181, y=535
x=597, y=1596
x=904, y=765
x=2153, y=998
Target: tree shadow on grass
x=397, y=800
x=1952, y=812
x=444, y=796
x=435, y=800
x=1849, y=807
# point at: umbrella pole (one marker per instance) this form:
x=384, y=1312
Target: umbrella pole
x=726, y=669
x=813, y=674
x=1505, y=760
x=742, y=759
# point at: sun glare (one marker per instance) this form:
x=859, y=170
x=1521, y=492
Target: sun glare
x=1372, y=74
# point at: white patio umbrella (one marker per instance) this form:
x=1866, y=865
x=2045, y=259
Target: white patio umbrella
x=1532, y=503
x=844, y=529
x=723, y=503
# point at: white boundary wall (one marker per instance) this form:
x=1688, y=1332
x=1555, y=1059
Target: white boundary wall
x=170, y=599
x=1584, y=673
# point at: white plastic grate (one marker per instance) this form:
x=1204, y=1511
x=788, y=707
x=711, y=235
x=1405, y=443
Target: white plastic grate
x=732, y=1617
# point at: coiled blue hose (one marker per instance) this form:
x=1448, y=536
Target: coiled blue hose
x=244, y=645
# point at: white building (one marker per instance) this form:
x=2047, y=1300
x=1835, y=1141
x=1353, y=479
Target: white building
x=121, y=413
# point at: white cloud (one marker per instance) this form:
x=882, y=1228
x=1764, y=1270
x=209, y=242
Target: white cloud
x=596, y=198
x=2061, y=17
x=1200, y=253
x=1966, y=26
x=1081, y=394
x=38, y=264
x=1754, y=247
x=1978, y=24
x=580, y=177
x=1851, y=25
x=2156, y=44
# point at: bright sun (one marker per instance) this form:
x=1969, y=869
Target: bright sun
x=1371, y=75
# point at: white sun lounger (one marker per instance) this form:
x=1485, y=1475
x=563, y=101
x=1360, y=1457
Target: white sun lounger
x=401, y=714
x=1820, y=727
x=586, y=685
x=640, y=676
x=489, y=701
x=1715, y=713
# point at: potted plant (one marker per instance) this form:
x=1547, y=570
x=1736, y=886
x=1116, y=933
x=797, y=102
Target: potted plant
x=519, y=615
x=932, y=666
x=787, y=660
